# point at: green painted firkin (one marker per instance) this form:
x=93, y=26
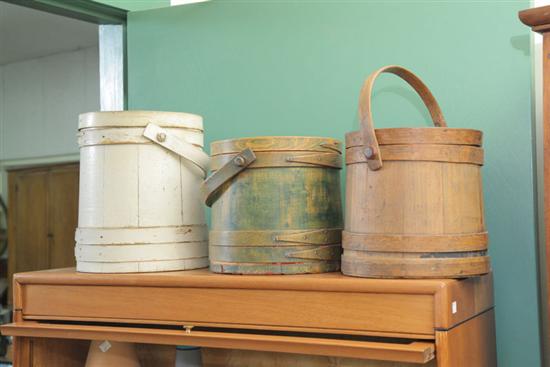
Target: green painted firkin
x=276, y=205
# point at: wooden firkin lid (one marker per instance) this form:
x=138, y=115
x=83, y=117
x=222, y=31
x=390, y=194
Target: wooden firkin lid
x=276, y=143
x=139, y=119
x=419, y=135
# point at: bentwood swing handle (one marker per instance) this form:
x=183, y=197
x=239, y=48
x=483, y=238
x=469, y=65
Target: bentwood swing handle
x=372, y=149
x=236, y=165
x=181, y=147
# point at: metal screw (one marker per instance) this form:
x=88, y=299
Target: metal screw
x=369, y=152
x=239, y=161
x=161, y=137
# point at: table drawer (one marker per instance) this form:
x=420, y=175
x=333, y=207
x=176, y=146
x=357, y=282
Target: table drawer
x=361, y=312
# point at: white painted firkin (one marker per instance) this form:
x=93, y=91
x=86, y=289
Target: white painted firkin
x=140, y=207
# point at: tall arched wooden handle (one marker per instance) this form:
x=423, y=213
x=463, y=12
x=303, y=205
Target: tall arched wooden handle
x=372, y=149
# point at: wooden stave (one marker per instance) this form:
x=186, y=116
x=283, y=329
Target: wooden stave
x=108, y=132
x=357, y=228
x=279, y=148
x=420, y=135
x=403, y=196
x=364, y=200
x=309, y=220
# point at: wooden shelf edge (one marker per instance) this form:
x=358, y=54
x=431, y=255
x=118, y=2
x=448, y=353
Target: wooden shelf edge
x=535, y=17
x=414, y=352
x=202, y=278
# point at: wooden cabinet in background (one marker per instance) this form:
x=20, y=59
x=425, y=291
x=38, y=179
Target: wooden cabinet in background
x=43, y=215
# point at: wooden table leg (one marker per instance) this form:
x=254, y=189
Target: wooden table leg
x=471, y=343
x=21, y=352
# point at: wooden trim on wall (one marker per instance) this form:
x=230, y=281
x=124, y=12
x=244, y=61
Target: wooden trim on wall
x=539, y=21
x=85, y=10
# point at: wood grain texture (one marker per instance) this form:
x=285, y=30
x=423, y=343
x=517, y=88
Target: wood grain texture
x=413, y=199
x=128, y=184
x=22, y=352
x=421, y=152
x=415, y=243
x=269, y=144
x=30, y=241
x=63, y=214
x=389, y=312
x=63, y=352
x=536, y=17
x=120, y=354
x=458, y=301
x=408, y=199
x=284, y=189
x=414, y=265
x=374, y=311
x=285, y=159
x=132, y=135
x=43, y=214
x=55, y=352
x=372, y=146
x=471, y=344
x=243, y=358
x=401, y=351
x=213, y=184
x=413, y=183
x=419, y=135
x=299, y=302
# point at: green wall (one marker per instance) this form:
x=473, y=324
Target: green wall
x=296, y=68
x=135, y=5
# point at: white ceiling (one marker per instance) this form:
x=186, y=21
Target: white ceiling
x=27, y=33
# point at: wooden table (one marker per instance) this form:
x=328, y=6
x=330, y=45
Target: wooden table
x=440, y=323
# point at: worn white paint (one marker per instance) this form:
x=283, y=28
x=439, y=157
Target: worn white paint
x=128, y=236
x=140, y=207
x=142, y=266
x=181, y=147
x=140, y=252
